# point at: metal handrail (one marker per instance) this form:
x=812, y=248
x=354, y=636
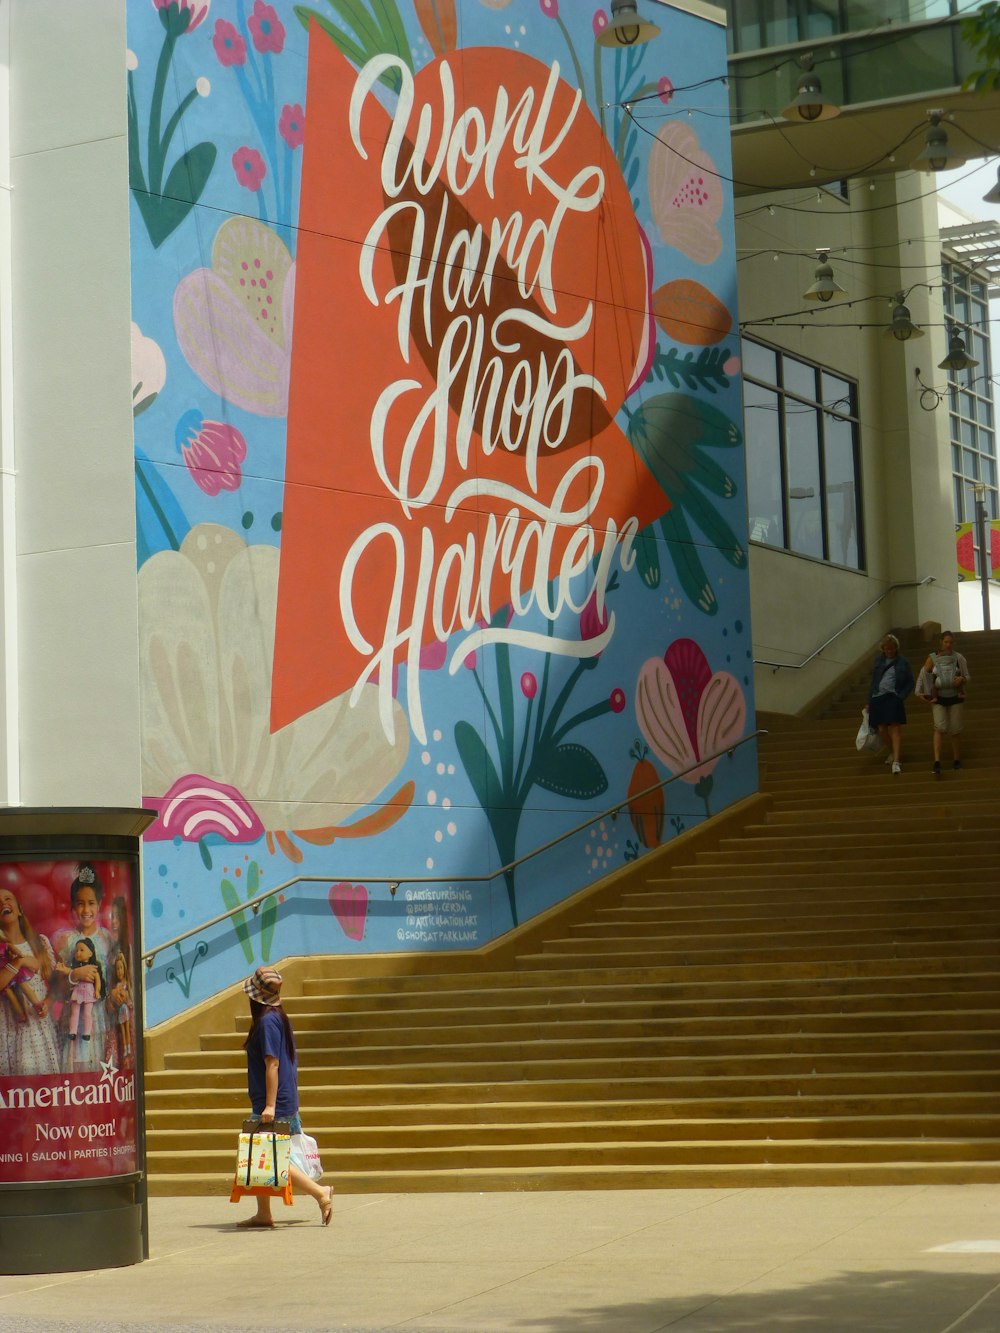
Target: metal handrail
x=394, y=882
x=797, y=666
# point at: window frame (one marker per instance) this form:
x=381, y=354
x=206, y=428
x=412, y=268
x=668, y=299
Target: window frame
x=788, y=399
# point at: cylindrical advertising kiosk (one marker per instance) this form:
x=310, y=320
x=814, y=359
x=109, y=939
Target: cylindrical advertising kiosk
x=72, y=1141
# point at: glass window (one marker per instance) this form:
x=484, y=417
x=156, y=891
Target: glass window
x=841, y=486
x=805, y=507
x=803, y=472
x=799, y=378
x=759, y=362
x=765, y=509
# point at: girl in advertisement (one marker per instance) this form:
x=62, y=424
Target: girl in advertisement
x=85, y=897
x=28, y=1040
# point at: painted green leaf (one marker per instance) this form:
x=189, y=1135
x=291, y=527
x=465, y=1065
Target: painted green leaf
x=687, y=562
x=341, y=40
x=372, y=35
x=571, y=770
x=231, y=900
x=268, y=920
x=188, y=177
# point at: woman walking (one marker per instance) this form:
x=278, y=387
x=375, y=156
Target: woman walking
x=942, y=683
x=892, y=682
x=272, y=1082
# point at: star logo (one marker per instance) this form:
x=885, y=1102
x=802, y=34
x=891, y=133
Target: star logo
x=108, y=1070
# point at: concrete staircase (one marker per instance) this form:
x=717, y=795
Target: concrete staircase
x=811, y=996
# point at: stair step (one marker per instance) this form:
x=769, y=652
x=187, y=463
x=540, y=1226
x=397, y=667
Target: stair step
x=812, y=999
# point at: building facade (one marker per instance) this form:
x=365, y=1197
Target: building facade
x=422, y=541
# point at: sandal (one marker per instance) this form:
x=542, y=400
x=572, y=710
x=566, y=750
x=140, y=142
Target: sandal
x=326, y=1207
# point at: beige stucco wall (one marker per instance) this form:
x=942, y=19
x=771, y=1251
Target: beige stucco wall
x=797, y=602
x=68, y=370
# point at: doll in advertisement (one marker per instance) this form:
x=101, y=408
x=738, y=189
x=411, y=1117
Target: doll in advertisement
x=86, y=993
x=13, y=994
x=28, y=1039
x=123, y=1009
x=85, y=897
x=120, y=997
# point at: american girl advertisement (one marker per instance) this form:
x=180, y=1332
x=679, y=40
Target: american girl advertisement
x=67, y=1035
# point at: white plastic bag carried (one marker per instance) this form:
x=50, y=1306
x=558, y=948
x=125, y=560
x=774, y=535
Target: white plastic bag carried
x=867, y=739
x=305, y=1155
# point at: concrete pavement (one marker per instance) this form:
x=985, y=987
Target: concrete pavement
x=905, y=1259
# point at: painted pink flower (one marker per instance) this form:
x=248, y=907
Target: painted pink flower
x=529, y=685
x=685, y=711
x=229, y=44
x=665, y=89
x=196, y=807
x=249, y=167
x=550, y=8
x=685, y=193
x=600, y=22
x=181, y=16
x=266, y=29
x=593, y=623
x=213, y=452
x=292, y=125
x=617, y=700
x=234, y=320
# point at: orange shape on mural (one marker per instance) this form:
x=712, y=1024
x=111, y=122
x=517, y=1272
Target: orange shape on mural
x=471, y=309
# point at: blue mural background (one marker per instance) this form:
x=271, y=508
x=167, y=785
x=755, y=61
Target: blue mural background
x=218, y=116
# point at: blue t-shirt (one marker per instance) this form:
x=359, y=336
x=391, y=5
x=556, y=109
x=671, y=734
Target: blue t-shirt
x=269, y=1039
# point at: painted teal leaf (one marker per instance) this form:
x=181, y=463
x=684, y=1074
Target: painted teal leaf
x=687, y=562
x=702, y=512
x=479, y=767
x=647, y=558
x=572, y=771
x=669, y=433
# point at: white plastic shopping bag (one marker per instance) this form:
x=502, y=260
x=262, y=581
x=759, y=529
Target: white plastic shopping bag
x=305, y=1155
x=867, y=739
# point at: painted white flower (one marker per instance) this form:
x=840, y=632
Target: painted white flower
x=149, y=371
x=206, y=631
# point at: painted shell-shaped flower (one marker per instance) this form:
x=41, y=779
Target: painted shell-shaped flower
x=685, y=193
x=206, y=641
x=234, y=320
x=195, y=807
x=685, y=711
x=213, y=451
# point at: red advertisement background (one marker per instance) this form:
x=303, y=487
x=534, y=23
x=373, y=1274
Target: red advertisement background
x=71, y=1124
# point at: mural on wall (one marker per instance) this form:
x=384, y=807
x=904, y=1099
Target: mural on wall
x=439, y=469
